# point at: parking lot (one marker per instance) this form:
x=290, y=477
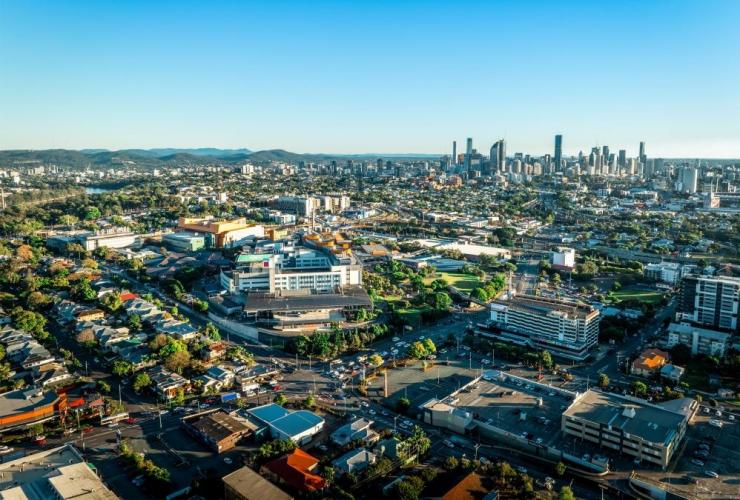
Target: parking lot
x=419, y=385
x=518, y=407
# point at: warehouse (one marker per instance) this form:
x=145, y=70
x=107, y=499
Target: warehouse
x=298, y=426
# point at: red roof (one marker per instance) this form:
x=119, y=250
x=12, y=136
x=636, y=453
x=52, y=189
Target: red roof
x=128, y=296
x=295, y=469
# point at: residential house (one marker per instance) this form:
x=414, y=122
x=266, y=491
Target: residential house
x=166, y=383
x=296, y=469
x=649, y=362
x=178, y=329
x=354, y=461
x=672, y=373
x=357, y=429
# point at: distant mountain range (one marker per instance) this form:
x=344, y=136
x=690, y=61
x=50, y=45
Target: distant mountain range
x=173, y=157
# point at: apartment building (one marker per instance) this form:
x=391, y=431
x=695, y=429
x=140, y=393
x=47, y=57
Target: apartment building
x=568, y=329
x=647, y=432
x=700, y=340
x=710, y=301
x=664, y=272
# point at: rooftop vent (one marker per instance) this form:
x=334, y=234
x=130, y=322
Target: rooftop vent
x=629, y=412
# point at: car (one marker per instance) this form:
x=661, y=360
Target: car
x=704, y=446
x=323, y=447
x=718, y=413
x=484, y=460
x=396, y=339
x=698, y=462
x=228, y=461
x=550, y=394
x=448, y=443
x=384, y=354
x=421, y=337
x=371, y=411
x=521, y=470
x=539, y=441
x=4, y=450
x=87, y=430
x=711, y=473
x=485, y=361
x=706, y=410
x=365, y=404
x=130, y=420
x=113, y=425
x=732, y=417
x=443, y=351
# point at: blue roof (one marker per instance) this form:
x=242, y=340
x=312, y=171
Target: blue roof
x=268, y=413
x=297, y=422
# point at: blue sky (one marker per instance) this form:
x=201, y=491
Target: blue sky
x=381, y=76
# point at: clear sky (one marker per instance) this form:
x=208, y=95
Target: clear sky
x=376, y=76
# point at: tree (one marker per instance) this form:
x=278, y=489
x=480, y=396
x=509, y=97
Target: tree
x=375, y=360
x=429, y=347
x=112, y=301
x=103, y=386
x=566, y=494
x=403, y=404
x=92, y=213
x=441, y=301
x=211, y=331
x=141, y=381
x=177, y=361
x=280, y=399
x=121, y=368
x=410, y=488
x=603, y=380
x=451, y=463
x=417, y=350
x=560, y=468
x=310, y=401
x=479, y=294
x=639, y=388
x=29, y=321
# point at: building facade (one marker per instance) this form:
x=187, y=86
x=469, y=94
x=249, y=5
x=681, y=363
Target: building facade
x=710, y=301
x=568, y=329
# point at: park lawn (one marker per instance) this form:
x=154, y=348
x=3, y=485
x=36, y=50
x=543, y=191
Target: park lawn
x=463, y=282
x=646, y=296
x=412, y=315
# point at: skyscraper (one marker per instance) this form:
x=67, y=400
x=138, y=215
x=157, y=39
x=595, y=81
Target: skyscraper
x=642, y=152
x=558, y=151
x=711, y=301
x=622, y=161
x=468, y=152
x=498, y=156
x=454, y=152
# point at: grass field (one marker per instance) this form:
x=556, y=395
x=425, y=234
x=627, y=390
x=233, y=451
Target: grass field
x=646, y=296
x=463, y=282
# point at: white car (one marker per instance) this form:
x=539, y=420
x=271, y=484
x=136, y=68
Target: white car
x=448, y=443
x=4, y=450
x=396, y=339
x=731, y=417
x=485, y=361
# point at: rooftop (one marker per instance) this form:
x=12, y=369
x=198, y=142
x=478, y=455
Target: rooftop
x=55, y=473
x=250, y=485
x=351, y=296
x=15, y=402
x=544, y=306
x=218, y=425
x=634, y=416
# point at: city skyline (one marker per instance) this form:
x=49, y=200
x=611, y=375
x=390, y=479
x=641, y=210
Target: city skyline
x=380, y=78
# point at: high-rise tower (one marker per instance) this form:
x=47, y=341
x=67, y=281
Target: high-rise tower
x=558, y=157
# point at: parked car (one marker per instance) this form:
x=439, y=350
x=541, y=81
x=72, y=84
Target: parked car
x=698, y=462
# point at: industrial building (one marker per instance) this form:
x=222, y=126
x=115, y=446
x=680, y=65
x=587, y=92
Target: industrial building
x=567, y=329
x=246, y=484
x=298, y=426
x=22, y=408
x=217, y=429
x=645, y=431
x=59, y=473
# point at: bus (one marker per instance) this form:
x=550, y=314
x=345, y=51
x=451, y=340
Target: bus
x=113, y=419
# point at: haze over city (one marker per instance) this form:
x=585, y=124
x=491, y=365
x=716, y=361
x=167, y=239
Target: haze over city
x=380, y=77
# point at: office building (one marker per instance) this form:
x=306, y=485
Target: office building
x=468, y=153
x=299, y=426
x=688, y=179
x=643, y=431
x=558, y=156
x=454, y=153
x=217, y=429
x=567, y=329
x=710, y=301
x=642, y=157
